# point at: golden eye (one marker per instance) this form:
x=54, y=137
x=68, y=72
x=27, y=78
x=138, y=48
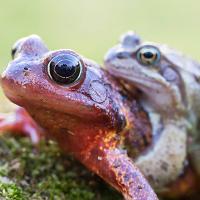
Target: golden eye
x=148, y=55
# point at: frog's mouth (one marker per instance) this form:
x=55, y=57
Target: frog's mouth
x=136, y=78
x=152, y=90
x=156, y=90
x=34, y=92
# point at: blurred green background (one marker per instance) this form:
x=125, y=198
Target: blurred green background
x=91, y=27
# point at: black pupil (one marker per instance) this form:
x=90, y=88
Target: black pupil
x=148, y=55
x=65, y=68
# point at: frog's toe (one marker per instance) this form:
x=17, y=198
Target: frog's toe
x=20, y=123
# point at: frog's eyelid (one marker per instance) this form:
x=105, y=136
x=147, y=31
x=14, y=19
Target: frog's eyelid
x=148, y=46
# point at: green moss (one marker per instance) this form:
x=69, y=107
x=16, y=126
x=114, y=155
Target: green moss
x=45, y=173
x=11, y=191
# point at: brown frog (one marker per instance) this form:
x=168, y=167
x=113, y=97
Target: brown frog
x=70, y=99
x=168, y=85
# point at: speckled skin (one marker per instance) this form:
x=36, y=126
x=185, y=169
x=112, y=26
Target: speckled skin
x=89, y=119
x=169, y=92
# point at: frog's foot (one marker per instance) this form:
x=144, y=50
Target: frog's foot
x=21, y=123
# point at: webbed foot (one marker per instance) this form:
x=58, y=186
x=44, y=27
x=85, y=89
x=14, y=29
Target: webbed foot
x=21, y=123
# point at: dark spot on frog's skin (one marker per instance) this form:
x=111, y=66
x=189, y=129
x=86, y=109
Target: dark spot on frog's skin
x=157, y=181
x=150, y=178
x=121, y=123
x=197, y=78
x=116, y=164
x=164, y=166
x=139, y=187
x=126, y=177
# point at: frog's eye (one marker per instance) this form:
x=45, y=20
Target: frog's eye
x=65, y=68
x=148, y=55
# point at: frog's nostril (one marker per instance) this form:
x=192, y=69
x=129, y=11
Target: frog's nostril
x=123, y=55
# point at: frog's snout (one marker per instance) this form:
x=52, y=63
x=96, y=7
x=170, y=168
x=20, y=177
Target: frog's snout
x=115, y=55
x=11, y=79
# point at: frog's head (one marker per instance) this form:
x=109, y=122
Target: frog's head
x=61, y=82
x=158, y=71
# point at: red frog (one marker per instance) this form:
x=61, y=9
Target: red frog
x=70, y=99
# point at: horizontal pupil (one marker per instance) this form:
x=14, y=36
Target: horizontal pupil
x=65, y=70
x=148, y=55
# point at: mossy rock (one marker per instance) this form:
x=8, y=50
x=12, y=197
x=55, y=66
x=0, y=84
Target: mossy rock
x=40, y=173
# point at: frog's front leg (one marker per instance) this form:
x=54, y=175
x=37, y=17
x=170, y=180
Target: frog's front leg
x=115, y=167
x=21, y=123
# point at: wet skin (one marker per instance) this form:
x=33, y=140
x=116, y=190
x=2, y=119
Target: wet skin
x=169, y=91
x=76, y=103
